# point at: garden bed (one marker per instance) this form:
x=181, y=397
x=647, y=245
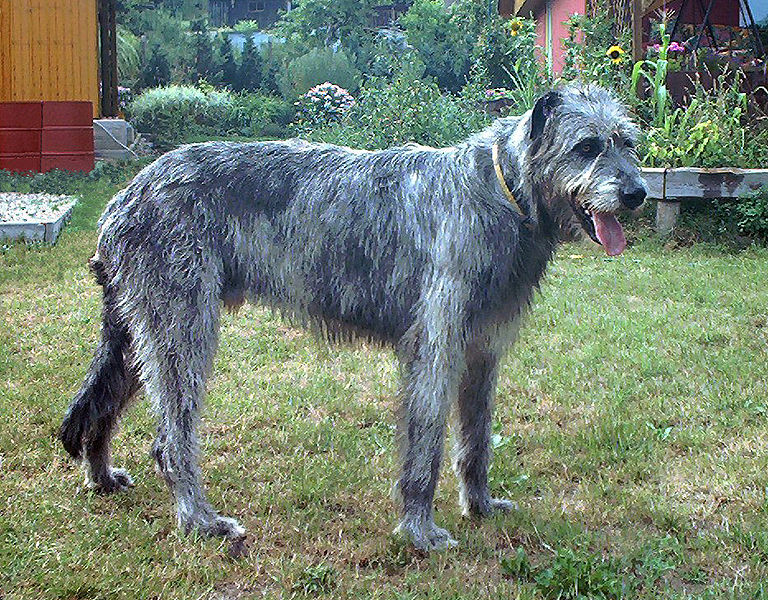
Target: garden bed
x=34, y=217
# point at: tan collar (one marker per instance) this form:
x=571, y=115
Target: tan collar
x=502, y=182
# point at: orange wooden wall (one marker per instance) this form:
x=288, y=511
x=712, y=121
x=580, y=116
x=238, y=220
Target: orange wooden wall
x=49, y=50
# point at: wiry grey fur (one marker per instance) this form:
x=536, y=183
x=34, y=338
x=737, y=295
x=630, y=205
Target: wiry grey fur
x=414, y=247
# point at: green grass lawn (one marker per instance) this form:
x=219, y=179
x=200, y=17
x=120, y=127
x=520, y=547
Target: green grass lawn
x=632, y=429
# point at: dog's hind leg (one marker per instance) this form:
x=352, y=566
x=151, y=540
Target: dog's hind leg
x=176, y=345
x=472, y=451
x=110, y=384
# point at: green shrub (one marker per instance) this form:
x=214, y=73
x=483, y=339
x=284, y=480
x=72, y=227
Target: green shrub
x=167, y=44
x=403, y=109
x=315, y=67
x=751, y=215
x=325, y=103
x=174, y=112
x=156, y=68
x=260, y=115
x=506, y=51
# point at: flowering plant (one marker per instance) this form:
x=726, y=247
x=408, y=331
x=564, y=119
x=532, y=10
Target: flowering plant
x=673, y=47
x=124, y=97
x=322, y=104
x=499, y=94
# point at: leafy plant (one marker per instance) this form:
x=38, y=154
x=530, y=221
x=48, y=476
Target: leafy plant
x=516, y=565
x=167, y=42
x=156, y=70
x=326, y=23
x=710, y=131
x=580, y=575
x=262, y=115
x=316, y=579
x=751, y=215
x=655, y=74
x=505, y=51
x=246, y=26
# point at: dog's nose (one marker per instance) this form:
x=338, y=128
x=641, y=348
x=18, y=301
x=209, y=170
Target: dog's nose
x=633, y=198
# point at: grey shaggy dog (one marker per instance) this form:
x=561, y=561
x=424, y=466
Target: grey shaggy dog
x=414, y=247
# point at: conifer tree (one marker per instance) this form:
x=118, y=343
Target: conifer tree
x=227, y=63
x=204, y=61
x=250, y=67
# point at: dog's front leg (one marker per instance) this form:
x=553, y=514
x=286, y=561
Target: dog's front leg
x=429, y=387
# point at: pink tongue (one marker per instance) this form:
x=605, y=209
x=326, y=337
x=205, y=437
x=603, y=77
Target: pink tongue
x=609, y=232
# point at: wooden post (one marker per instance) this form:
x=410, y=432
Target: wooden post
x=637, y=30
x=108, y=39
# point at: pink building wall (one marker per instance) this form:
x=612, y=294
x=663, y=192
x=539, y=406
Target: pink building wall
x=561, y=12
x=554, y=14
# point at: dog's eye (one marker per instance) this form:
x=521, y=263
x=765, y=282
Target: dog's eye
x=589, y=148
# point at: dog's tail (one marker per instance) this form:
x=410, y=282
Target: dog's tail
x=108, y=382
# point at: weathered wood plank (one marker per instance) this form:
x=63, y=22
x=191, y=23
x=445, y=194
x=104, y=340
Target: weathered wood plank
x=672, y=184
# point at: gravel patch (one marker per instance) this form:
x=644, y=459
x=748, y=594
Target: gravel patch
x=33, y=208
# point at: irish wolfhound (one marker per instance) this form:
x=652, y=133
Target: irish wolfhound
x=435, y=252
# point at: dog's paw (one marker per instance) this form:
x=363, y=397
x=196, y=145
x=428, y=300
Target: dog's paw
x=425, y=535
x=489, y=507
x=213, y=525
x=110, y=481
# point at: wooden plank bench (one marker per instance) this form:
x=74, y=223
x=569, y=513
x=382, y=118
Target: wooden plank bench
x=670, y=186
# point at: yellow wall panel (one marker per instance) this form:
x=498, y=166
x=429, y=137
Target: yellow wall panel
x=49, y=50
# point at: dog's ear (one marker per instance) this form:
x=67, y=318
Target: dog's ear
x=542, y=111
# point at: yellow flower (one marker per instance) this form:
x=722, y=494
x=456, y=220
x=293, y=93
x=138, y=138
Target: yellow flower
x=616, y=54
x=515, y=26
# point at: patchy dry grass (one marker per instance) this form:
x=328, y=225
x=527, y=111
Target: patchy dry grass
x=631, y=429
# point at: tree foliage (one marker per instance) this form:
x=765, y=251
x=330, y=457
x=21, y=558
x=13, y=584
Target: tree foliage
x=319, y=23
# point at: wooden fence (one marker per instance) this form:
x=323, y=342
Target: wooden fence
x=49, y=51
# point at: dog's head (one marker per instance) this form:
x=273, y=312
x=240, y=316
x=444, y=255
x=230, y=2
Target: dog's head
x=580, y=161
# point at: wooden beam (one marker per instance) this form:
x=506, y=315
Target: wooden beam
x=108, y=53
x=693, y=182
